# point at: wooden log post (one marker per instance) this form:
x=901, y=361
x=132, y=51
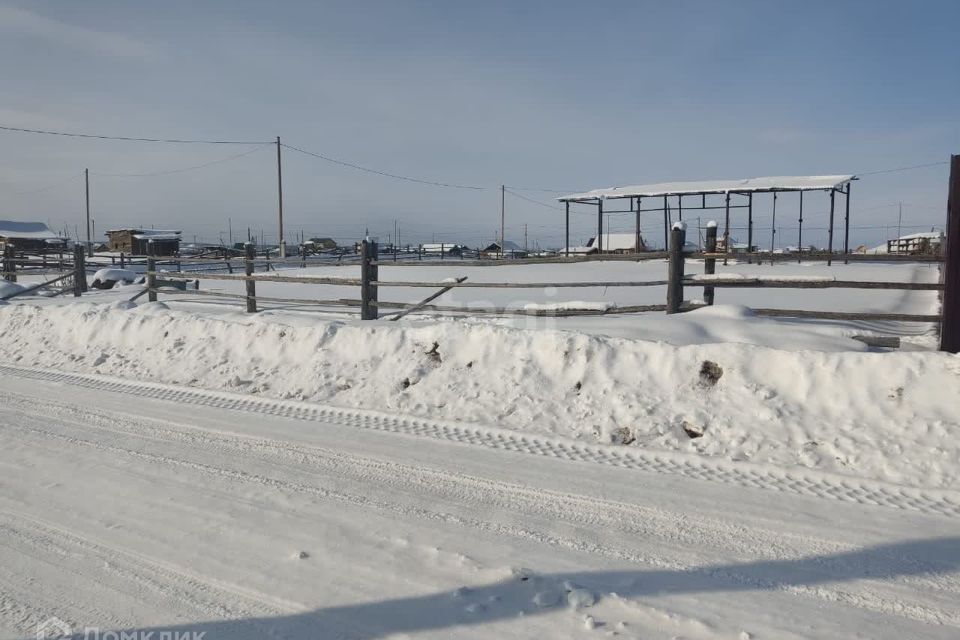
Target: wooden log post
x=710, y=264
x=368, y=275
x=678, y=236
x=78, y=270
x=950, y=306
x=9, y=263
x=250, y=255
x=83, y=272
x=151, y=273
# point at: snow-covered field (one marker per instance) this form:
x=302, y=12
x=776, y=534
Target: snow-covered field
x=184, y=467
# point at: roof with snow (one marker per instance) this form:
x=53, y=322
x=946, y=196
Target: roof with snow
x=616, y=241
x=747, y=185
x=509, y=245
x=145, y=232
x=27, y=230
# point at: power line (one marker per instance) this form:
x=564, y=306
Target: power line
x=182, y=169
x=129, y=139
x=383, y=173
x=542, y=204
x=542, y=190
x=918, y=166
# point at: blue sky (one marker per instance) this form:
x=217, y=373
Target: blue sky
x=553, y=95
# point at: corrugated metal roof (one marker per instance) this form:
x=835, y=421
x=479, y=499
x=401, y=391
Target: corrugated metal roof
x=775, y=183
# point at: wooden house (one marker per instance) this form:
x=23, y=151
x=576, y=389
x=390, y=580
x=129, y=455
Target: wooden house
x=135, y=241
x=33, y=237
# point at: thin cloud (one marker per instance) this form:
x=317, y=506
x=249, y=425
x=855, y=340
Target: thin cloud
x=20, y=21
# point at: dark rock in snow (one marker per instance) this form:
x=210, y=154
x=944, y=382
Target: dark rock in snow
x=710, y=373
x=692, y=430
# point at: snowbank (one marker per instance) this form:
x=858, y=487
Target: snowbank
x=892, y=416
x=117, y=275
x=9, y=288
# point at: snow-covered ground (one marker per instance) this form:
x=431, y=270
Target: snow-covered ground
x=181, y=466
x=794, y=393
x=130, y=509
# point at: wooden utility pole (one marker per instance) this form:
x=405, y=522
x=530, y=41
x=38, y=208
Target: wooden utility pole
x=950, y=307
x=503, y=228
x=86, y=181
x=282, y=245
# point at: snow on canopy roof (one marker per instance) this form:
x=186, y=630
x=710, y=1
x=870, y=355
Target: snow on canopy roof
x=615, y=241
x=156, y=235
x=776, y=183
x=145, y=232
x=29, y=230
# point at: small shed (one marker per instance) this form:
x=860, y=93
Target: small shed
x=135, y=241
x=508, y=248
x=322, y=244
x=442, y=248
x=618, y=243
x=30, y=236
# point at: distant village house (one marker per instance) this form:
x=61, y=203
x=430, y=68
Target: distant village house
x=136, y=241
x=509, y=249
x=34, y=237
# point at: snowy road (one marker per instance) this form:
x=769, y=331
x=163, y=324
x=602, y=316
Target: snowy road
x=134, y=506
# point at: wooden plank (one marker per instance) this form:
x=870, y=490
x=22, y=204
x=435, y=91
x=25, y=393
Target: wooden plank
x=425, y=301
x=889, y=342
x=764, y=283
x=839, y=315
x=822, y=257
x=523, y=285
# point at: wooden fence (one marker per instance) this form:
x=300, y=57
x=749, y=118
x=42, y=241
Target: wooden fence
x=677, y=280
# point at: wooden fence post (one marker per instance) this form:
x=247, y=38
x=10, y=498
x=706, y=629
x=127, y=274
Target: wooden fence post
x=368, y=274
x=710, y=264
x=83, y=272
x=151, y=273
x=9, y=263
x=250, y=254
x=678, y=235
x=79, y=275
x=950, y=306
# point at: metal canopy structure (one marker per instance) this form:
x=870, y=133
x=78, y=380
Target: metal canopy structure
x=741, y=189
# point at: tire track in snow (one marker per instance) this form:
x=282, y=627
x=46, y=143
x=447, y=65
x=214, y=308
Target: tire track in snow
x=813, y=484
x=147, y=578
x=630, y=520
x=851, y=594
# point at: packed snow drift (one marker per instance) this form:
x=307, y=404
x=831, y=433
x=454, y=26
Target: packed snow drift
x=883, y=415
